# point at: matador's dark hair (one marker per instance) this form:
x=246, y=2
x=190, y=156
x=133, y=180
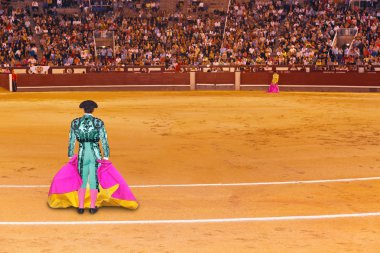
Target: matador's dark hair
x=88, y=106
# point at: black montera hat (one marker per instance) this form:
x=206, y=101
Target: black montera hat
x=88, y=104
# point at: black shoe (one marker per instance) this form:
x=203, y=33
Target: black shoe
x=93, y=210
x=80, y=210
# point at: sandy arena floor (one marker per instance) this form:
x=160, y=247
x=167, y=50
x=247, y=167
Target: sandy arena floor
x=159, y=138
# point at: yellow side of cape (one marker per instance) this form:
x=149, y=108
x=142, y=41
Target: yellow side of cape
x=104, y=199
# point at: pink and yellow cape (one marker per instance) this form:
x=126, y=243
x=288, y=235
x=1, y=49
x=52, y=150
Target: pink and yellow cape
x=273, y=88
x=113, y=190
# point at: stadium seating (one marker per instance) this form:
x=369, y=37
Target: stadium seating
x=189, y=32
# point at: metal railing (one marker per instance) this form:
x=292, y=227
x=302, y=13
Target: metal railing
x=103, y=34
x=347, y=31
x=100, y=35
x=352, y=43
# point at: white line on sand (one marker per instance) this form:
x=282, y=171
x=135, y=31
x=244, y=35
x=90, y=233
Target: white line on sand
x=225, y=184
x=141, y=222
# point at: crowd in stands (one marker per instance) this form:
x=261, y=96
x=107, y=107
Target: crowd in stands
x=256, y=32
x=366, y=45
x=17, y=43
x=287, y=33
x=310, y=30
x=251, y=32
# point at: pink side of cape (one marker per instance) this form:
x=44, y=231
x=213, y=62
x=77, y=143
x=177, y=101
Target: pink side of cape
x=273, y=88
x=67, y=179
x=108, y=176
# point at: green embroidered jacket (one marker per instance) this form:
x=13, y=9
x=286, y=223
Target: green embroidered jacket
x=88, y=129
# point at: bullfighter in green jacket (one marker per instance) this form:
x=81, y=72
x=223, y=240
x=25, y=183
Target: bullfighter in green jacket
x=88, y=131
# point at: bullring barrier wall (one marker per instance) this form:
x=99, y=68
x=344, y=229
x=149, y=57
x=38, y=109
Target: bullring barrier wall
x=4, y=81
x=314, y=81
x=104, y=81
x=294, y=81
